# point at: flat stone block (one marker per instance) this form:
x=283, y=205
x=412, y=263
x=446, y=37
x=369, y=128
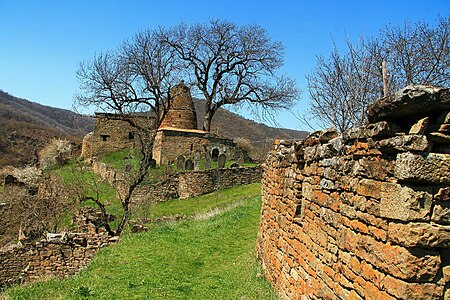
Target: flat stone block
x=405, y=203
x=404, y=143
x=369, y=188
x=420, y=126
x=431, y=168
x=419, y=235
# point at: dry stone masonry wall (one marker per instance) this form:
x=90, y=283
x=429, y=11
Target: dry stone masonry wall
x=364, y=215
x=58, y=255
x=181, y=185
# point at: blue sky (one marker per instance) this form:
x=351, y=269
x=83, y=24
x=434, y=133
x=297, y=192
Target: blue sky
x=42, y=42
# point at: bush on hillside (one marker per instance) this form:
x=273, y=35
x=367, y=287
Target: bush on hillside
x=56, y=153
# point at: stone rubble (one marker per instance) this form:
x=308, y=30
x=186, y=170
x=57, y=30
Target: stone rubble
x=58, y=255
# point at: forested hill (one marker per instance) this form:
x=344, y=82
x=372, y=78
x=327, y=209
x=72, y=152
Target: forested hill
x=21, y=110
x=25, y=127
x=232, y=125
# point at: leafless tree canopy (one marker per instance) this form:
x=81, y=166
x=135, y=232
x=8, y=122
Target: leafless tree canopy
x=342, y=85
x=229, y=64
x=135, y=78
x=226, y=63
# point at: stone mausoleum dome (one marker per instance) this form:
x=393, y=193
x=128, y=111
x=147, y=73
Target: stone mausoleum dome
x=181, y=113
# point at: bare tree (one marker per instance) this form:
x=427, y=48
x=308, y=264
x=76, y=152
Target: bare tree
x=229, y=64
x=135, y=79
x=342, y=85
x=418, y=53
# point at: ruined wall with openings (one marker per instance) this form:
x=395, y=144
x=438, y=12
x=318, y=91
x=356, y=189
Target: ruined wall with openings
x=171, y=143
x=59, y=255
x=112, y=133
x=364, y=215
x=181, y=185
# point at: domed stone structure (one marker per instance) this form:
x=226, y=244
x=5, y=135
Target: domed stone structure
x=181, y=113
x=176, y=137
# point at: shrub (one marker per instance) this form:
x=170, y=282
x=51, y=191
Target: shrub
x=56, y=153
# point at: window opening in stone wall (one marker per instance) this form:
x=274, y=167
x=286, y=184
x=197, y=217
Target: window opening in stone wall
x=104, y=137
x=131, y=135
x=298, y=214
x=215, y=154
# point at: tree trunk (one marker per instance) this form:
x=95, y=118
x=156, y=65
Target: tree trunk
x=207, y=120
x=385, y=79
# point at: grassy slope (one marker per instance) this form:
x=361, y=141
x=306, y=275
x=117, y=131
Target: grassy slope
x=196, y=205
x=89, y=183
x=210, y=259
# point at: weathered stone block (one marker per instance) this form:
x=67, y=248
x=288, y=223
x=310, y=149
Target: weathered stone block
x=373, y=168
x=337, y=143
x=369, y=188
x=414, y=264
x=410, y=101
x=327, y=134
x=404, y=143
x=327, y=184
x=419, y=235
x=432, y=168
x=307, y=191
x=441, y=212
x=411, y=291
x=379, y=130
x=405, y=203
x=420, y=127
x=309, y=153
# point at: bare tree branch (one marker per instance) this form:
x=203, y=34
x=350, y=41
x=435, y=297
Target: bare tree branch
x=229, y=64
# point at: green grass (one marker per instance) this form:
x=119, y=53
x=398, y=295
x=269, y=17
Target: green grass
x=209, y=259
x=120, y=159
x=196, y=205
x=83, y=179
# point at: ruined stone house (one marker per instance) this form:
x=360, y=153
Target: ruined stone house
x=176, y=136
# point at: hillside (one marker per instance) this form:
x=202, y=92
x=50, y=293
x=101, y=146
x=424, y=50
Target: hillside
x=232, y=125
x=25, y=127
x=208, y=255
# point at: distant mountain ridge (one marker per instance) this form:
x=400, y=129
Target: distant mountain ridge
x=232, y=125
x=26, y=127
x=13, y=108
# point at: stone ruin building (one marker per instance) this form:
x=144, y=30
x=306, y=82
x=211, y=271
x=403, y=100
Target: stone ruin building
x=365, y=214
x=111, y=133
x=177, y=136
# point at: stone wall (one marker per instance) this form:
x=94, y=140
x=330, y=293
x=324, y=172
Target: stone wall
x=112, y=133
x=364, y=215
x=182, y=185
x=202, y=182
x=171, y=143
x=59, y=256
